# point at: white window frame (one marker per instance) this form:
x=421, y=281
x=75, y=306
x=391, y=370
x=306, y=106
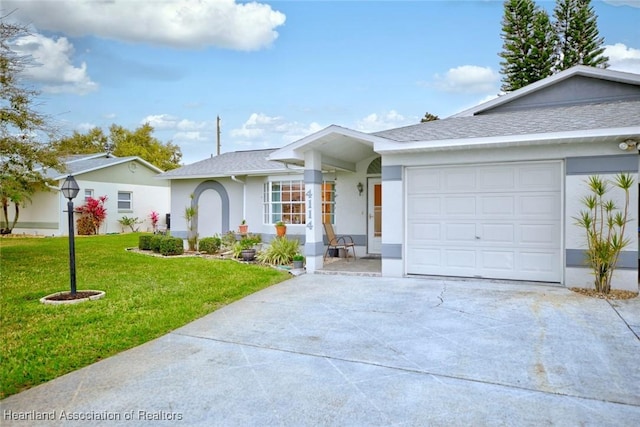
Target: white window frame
x=292, y=210
x=129, y=201
x=88, y=193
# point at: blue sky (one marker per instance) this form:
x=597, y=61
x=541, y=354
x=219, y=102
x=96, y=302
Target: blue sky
x=274, y=71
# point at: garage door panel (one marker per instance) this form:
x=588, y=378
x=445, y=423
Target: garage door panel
x=425, y=181
x=426, y=232
x=538, y=261
x=497, y=178
x=426, y=258
x=539, y=206
x=458, y=180
x=424, y=206
x=541, y=177
x=497, y=260
x=463, y=206
x=503, y=224
x=497, y=233
x=539, y=234
x=460, y=258
x=497, y=205
x=459, y=232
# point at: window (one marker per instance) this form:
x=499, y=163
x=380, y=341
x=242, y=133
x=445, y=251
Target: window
x=124, y=201
x=88, y=193
x=329, y=202
x=285, y=201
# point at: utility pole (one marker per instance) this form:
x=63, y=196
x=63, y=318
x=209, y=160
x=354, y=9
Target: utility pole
x=218, y=132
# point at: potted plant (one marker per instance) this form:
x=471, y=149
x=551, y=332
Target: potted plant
x=245, y=247
x=281, y=228
x=243, y=227
x=298, y=261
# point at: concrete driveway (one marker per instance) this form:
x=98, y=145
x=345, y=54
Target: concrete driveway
x=344, y=350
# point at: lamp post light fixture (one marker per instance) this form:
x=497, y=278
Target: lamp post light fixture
x=70, y=190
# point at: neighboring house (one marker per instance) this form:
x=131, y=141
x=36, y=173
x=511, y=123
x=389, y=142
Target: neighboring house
x=128, y=182
x=490, y=192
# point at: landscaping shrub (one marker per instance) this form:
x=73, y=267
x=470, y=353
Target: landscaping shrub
x=280, y=252
x=144, y=242
x=171, y=245
x=93, y=213
x=210, y=245
x=155, y=242
x=85, y=226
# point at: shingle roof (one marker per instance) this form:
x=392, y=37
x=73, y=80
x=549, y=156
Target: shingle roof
x=252, y=162
x=523, y=122
x=82, y=163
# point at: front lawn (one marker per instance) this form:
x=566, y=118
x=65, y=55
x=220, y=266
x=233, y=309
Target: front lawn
x=146, y=297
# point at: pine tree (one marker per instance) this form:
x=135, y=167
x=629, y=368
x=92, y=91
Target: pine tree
x=579, y=42
x=528, y=44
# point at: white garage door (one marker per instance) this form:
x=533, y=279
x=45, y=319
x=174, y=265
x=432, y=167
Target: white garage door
x=497, y=221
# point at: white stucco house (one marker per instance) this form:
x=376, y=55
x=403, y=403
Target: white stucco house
x=128, y=182
x=490, y=192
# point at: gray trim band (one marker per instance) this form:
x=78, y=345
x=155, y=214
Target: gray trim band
x=391, y=250
x=312, y=176
x=602, y=164
x=392, y=173
x=314, y=249
x=358, y=239
x=224, y=205
x=628, y=259
x=37, y=224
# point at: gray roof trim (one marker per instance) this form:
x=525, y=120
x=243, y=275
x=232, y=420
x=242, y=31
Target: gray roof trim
x=618, y=117
x=295, y=150
x=578, y=70
x=614, y=135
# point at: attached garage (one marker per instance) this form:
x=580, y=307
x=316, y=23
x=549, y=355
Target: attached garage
x=499, y=221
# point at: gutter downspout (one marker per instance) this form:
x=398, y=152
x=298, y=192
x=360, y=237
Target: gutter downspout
x=244, y=195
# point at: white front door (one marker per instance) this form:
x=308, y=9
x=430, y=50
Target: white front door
x=374, y=215
x=497, y=221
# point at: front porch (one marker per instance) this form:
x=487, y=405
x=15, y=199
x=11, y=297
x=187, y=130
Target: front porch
x=368, y=266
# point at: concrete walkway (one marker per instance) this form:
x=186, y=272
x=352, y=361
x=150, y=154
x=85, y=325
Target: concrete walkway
x=345, y=350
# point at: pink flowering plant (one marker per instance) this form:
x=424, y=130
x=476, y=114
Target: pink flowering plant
x=155, y=217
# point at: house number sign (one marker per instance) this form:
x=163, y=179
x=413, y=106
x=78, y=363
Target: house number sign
x=309, y=194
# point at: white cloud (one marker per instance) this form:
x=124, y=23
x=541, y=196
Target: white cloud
x=623, y=58
x=632, y=3
x=375, y=122
x=177, y=23
x=271, y=131
x=169, y=122
x=190, y=136
x=467, y=79
x=85, y=127
x=52, y=64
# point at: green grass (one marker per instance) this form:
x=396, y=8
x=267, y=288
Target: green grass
x=146, y=297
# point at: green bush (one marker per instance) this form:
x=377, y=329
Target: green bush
x=281, y=251
x=171, y=246
x=228, y=240
x=144, y=242
x=210, y=245
x=155, y=242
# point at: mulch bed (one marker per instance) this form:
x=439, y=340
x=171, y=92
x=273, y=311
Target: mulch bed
x=614, y=294
x=67, y=296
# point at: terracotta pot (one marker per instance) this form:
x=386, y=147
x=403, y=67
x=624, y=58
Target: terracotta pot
x=281, y=230
x=243, y=228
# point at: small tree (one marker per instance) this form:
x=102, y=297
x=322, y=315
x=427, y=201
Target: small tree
x=604, y=224
x=428, y=117
x=190, y=214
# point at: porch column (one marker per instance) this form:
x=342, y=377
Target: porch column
x=392, y=221
x=314, y=246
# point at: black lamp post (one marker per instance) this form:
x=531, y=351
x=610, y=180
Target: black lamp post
x=70, y=190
